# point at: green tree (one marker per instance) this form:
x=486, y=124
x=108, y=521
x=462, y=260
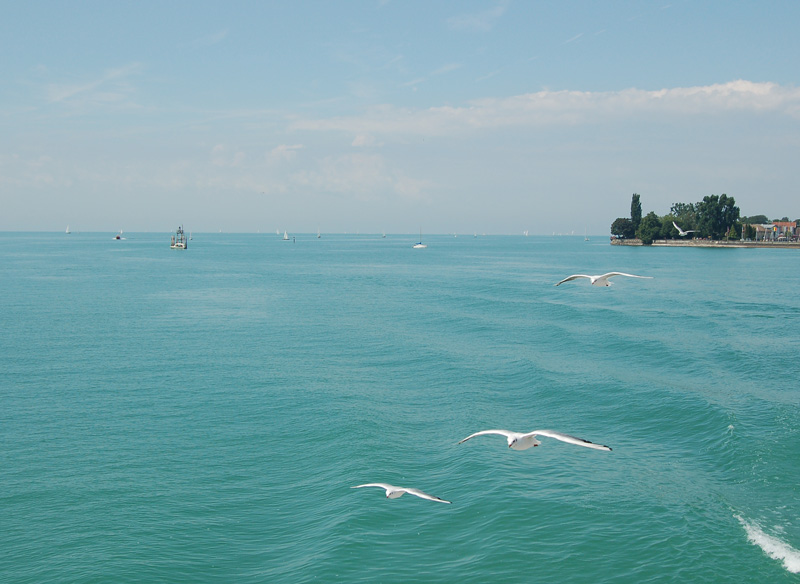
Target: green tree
x=649, y=228
x=716, y=215
x=685, y=215
x=668, y=230
x=623, y=227
x=636, y=211
x=756, y=220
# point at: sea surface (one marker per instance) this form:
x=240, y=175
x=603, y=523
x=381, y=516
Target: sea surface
x=201, y=415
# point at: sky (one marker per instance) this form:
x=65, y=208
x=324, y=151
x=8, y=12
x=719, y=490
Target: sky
x=397, y=116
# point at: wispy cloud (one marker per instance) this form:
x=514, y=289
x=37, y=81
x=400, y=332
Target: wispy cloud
x=362, y=140
x=572, y=39
x=489, y=75
x=568, y=107
x=443, y=70
x=284, y=152
x=111, y=87
x=208, y=40
x=224, y=156
x=360, y=175
x=413, y=82
x=446, y=69
x=477, y=21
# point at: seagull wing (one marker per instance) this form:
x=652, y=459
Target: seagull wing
x=380, y=485
x=610, y=274
x=570, y=439
x=422, y=495
x=505, y=433
x=573, y=277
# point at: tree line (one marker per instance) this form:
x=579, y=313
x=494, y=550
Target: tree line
x=715, y=217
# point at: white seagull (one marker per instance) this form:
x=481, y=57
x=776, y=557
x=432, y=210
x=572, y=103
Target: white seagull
x=393, y=492
x=601, y=280
x=523, y=441
x=681, y=232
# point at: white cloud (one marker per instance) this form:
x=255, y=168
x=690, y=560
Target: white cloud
x=208, y=40
x=568, y=107
x=284, y=152
x=112, y=88
x=447, y=68
x=363, y=140
x=364, y=176
x=573, y=39
x=477, y=21
x=223, y=156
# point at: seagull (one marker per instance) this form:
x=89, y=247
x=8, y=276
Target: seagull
x=393, y=492
x=681, y=232
x=600, y=280
x=522, y=441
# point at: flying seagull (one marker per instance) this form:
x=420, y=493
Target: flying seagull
x=523, y=441
x=681, y=232
x=599, y=280
x=393, y=492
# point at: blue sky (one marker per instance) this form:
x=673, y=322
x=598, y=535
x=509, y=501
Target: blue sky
x=453, y=116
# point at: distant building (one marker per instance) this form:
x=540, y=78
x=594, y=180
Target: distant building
x=777, y=231
x=785, y=230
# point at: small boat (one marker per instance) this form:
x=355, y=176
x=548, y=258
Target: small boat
x=179, y=240
x=420, y=245
x=285, y=236
x=68, y=232
x=318, y=233
x=119, y=235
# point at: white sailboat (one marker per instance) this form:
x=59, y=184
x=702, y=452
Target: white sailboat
x=285, y=236
x=67, y=232
x=318, y=233
x=420, y=245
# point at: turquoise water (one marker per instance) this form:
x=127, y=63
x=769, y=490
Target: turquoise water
x=170, y=416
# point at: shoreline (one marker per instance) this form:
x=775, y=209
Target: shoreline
x=710, y=243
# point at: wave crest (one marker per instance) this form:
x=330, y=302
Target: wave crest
x=772, y=546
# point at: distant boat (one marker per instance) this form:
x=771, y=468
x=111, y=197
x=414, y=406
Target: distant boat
x=179, y=239
x=119, y=235
x=67, y=232
x=285, y=236
x=525, y=233
x=318, y=233
x=420, y=245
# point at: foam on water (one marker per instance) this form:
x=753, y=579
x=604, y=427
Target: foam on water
x=772, y=546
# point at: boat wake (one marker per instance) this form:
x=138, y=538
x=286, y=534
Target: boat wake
x=772, y=546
